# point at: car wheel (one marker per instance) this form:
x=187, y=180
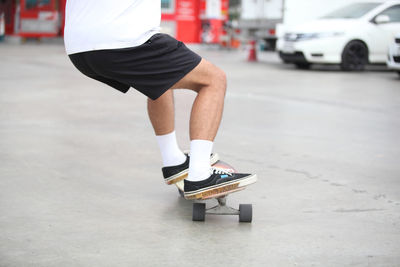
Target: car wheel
x=303, y=66
x=398, y=73
x=354, y=56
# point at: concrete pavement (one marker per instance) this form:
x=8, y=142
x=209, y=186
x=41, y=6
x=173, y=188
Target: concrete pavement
x=80, y=180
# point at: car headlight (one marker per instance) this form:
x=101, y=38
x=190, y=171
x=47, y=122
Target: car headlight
x=309, y=36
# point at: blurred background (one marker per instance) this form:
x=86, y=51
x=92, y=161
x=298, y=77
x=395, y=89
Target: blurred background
x=351, y=33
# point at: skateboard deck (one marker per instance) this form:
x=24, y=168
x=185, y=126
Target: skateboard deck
x=245, y=211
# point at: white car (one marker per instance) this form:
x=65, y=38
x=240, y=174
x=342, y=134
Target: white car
x=352, y=36
x=393, y=60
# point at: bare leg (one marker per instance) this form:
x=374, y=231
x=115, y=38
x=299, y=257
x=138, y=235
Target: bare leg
x=210, y=84
x=161, y=113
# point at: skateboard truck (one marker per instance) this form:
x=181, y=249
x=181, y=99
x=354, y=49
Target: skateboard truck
x=245, y=211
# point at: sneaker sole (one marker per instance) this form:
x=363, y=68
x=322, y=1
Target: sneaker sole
x=183, y=174
x=177, y=177
x=221, y=189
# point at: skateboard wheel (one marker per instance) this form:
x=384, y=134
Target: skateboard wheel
x=245, y=213
x=199, y=212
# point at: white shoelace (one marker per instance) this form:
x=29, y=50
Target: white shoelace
x=221, y=171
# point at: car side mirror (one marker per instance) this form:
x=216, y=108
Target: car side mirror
x=382, y=19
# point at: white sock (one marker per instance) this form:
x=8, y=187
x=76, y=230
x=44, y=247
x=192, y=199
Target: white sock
x=170, y=151
x=199, y=165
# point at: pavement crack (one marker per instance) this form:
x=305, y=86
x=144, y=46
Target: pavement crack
x=358, y=191
x=356, y=210
x=307, y=174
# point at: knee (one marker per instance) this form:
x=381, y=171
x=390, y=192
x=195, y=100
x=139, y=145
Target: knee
x=207, y=77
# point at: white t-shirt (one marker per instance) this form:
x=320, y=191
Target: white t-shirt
x=107, y=24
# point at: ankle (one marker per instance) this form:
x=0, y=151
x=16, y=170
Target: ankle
x=170, y=151
x=199, y=165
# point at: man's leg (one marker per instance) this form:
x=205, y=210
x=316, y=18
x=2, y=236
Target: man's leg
x=162, y=117
x=162, y=113
x=210, y=84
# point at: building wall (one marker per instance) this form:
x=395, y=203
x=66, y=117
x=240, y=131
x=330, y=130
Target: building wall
x=187, y=20
x=180, y=18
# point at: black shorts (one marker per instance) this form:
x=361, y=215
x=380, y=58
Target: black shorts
x=151, y=68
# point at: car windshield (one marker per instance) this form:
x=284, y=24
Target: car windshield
x=353, y=11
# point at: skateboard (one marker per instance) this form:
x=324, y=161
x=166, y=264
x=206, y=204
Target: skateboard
x=245, y=211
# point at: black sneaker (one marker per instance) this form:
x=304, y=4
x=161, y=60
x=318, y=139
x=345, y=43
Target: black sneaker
x=220, y=183
x=174, y=174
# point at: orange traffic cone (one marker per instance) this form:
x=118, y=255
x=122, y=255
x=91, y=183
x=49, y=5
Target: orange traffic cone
x=252, y=51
